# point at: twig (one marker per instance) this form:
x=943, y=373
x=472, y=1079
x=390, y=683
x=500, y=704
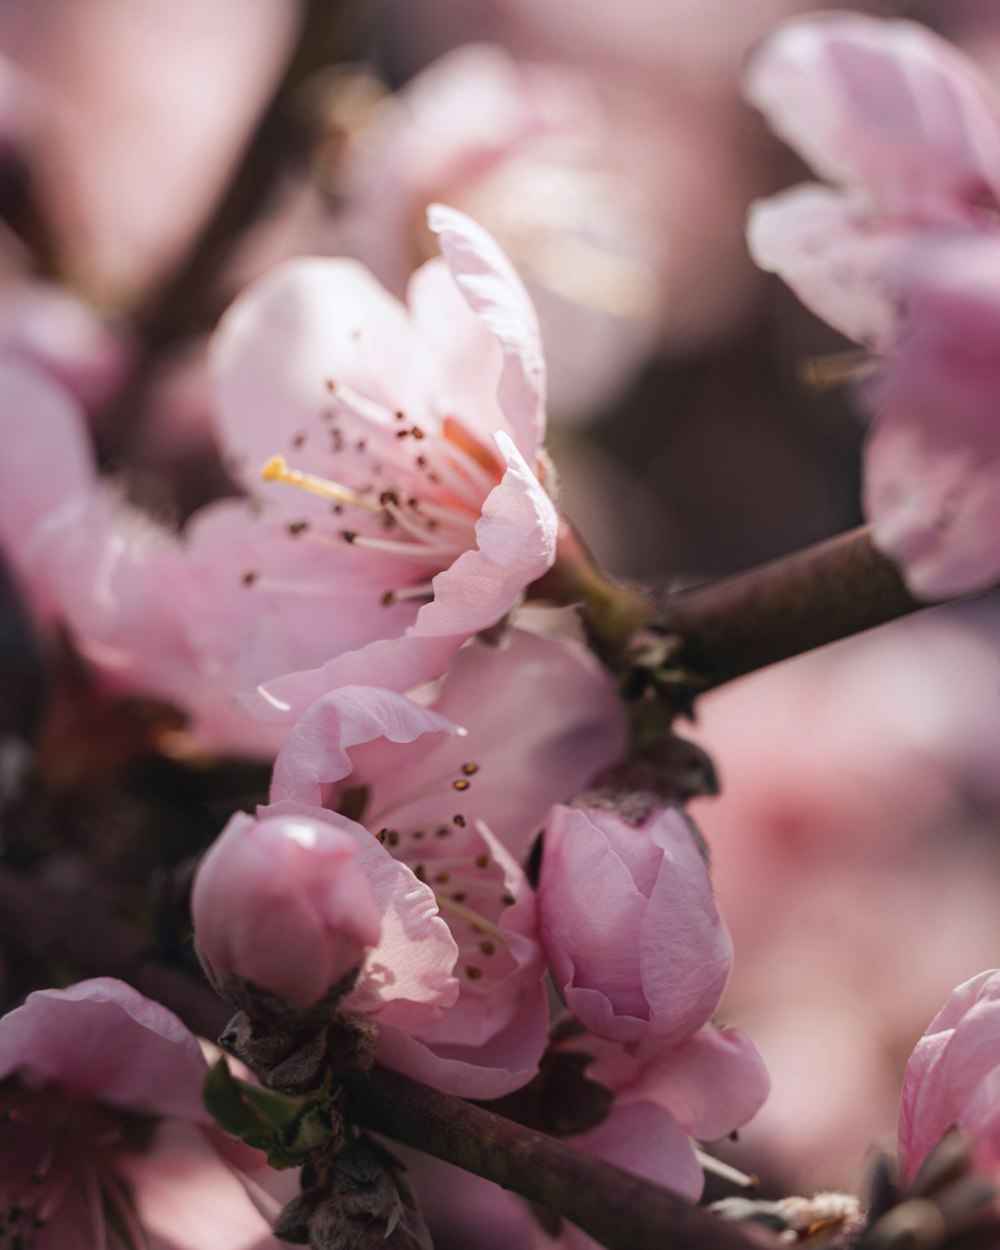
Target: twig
x=621, y=1211
x=815, y=596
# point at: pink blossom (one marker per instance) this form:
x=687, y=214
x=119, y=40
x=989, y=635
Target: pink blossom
x=140, y=112
x=448, y=806
x=403, y=510
x=105, y=1141
x=953, y=1077
x=932, y=481
x=525, y=150
x=119, y=583
x=629, y=924
x=896, y=258
x=282, y=905
x=908, y=128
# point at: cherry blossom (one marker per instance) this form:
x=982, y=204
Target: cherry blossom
x=524, y=149
x=895, y=257
x=104, y=1142
x=629, y=923
x=953, y=1077
x=399, y=450
x=281, y=905
x=453, y=794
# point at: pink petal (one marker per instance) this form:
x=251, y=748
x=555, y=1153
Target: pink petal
x=956, y=1052
x=711, y=1083
x=591, y=914
x=315, y=753
x=515, y=545
x=495, y=292
x=187, y=1198
x=507, y=1061
x=645, y=1139
x=888, y=106
x=836, y=255
x=304, y=324
x=102, y=1039
x=408, y=975
x=932, y=468
x=37, y=482
x=684, y=950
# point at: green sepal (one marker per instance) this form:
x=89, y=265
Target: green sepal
x=290, y=1129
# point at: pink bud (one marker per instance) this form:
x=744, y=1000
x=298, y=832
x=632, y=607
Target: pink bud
x=280, y=905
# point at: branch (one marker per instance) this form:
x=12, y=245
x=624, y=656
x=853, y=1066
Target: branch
x=813, y=597
x=621, y=1211
x=624, y=1212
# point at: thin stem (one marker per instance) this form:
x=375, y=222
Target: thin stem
x=815, y=596
x=621, y=1211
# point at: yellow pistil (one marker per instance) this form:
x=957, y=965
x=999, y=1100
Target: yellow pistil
x=276, y=469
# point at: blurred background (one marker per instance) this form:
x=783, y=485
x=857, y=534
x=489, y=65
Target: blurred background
x=156, y=155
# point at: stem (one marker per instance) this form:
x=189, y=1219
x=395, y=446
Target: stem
x=621, y=1211
x=813, y=597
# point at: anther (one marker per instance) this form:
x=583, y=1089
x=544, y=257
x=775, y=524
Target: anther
x=470, y=769
x=460, y=783
x=473, y=972
x=297, y=527
x=299, y=440
x=249, y=577
x=482, y=861
x=458, y=819
x=349, y=536
x=388, y=599
x=487, y=947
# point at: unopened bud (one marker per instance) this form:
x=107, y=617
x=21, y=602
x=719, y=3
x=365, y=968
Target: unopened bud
x=282, y=912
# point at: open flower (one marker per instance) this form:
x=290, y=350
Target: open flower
x=399, y=450
x=897, y=256
x=443, y=800
x=402, y=511
x=104, y=1143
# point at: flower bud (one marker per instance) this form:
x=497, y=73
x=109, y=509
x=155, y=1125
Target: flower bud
x=282, y=911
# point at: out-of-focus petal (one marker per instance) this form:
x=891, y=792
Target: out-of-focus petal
x=887, y=106
x=101, y=1039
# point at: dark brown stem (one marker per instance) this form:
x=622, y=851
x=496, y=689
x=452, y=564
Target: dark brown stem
x=814, y=596
x=621, y=1211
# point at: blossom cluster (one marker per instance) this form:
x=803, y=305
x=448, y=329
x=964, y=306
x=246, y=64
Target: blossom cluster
x=435, y=817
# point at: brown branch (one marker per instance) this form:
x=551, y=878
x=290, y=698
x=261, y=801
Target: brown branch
x=621, y=1211
x=813, y=597
x=624, y=1212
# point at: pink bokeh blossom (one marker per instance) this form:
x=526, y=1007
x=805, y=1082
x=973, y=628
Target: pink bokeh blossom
x=897, y=256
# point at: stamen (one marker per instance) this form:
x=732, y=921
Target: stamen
x=823, y=372
x=479, y=923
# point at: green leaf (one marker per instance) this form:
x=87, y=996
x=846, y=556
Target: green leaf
x=290, y=1129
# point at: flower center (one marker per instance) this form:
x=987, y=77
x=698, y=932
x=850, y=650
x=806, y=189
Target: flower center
x=58, y=1171
x=403, y=490
x=453, y=858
